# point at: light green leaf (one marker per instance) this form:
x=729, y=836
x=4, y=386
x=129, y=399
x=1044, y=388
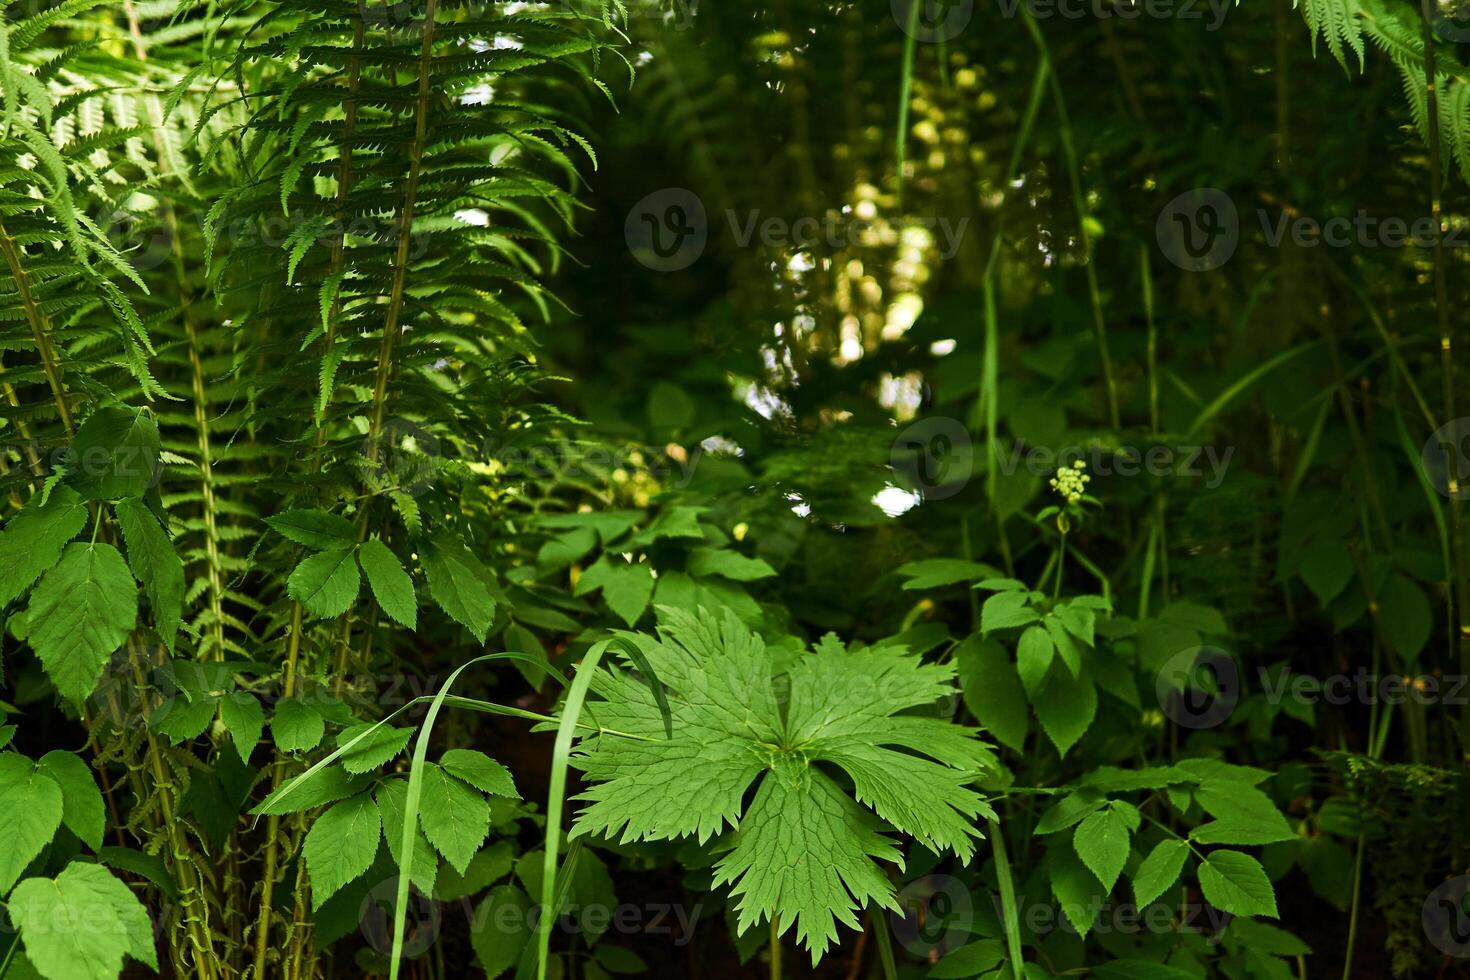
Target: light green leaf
x=81, y=924
x=325, y=584
x=81, y=612
x=1066, y=708
x=114, y=454
x=315, y=529
x=1102, y=841
x=934, y=573
x=1236, y=883
x=1005, y=610
x=33, y=805
x=244, y=719
x=457, y=581
x=1034, y=655
x=382, y=744
x=156, y=565
x=32, y=541
x=341, y=845
x=390, y=583
x=455, y=817
x=480, y=771
x=392, y=797
x=1076, y=890
x=296, y=727
x=1065, y=643
x=1159, y=870
x=728, y=564
x=82, y=811
x=625, y=587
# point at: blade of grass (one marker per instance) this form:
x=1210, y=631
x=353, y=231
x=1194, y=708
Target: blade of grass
x=556, y=796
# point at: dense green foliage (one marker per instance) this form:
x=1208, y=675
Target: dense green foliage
x=810, y=489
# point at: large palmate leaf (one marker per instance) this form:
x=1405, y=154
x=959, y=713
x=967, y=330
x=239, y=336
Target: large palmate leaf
x=844, y=718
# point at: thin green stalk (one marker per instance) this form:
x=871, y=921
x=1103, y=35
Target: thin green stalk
x=1461, y=584
x=1012, y=918
x=556, y=798
x=1074, y=173
x=885, y=948
x=775, y=942
x=905, y=86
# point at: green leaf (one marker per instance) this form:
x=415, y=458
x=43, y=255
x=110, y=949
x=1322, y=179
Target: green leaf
x=1069, y=810
x=992, y=691
x=969, y=961
x=325, y=786
x=382, y=744
x=1159, y=870
x=1034, y=655
x=81, y=924
x=1076, y=890
x=341, y=845
x=155, y=564
x=1065, y=643
x=390, y=583
x=934, y=573
x=81, y=612
x=1405, y=614
x=32, y=541
x=392, y=797
x=454, y=816
x=325, y=584
x=315, y=529
x=457, y=581
x=114, y=454
x=296, y=727
x=625, y=587
x=1005, y=610
x=244, y=719
x=1102, y=841
x=183, y=719
x=843, y=708
x=480, y=771
x=1066, y=708
x=501, y=928
x=1236, y=883
x=1327, y=570
x=727, y=564
x=1245, y=815
x=33, y=804
x=82, y=811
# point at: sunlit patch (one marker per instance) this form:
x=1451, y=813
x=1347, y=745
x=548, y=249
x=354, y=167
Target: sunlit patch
x=896, y=501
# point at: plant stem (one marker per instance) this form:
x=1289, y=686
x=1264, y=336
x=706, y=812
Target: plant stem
x=775, y=944
x=1461, y=584
x=1007, y=900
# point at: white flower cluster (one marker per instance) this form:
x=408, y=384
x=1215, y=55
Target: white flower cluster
x=1071, y=482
